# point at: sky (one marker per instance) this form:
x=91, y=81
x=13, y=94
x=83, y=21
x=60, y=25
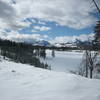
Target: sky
x=50, y=20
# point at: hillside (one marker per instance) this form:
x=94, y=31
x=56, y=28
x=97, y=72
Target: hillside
x=24, y=82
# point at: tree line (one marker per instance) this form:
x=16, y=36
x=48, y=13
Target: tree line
x=23, y=53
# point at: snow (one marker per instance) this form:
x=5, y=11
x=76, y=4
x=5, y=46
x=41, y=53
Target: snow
x=64, y=61
x=24, y=82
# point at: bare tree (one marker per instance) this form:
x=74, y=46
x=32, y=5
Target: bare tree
x=96, y=6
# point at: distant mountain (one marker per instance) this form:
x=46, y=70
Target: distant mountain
x=84, y=43
x=68, y=44
x=77, y=43
x=65, y=44
x=42, y=43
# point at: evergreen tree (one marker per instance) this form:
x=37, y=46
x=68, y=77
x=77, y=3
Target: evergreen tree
x=96, y=41
x=23, y=53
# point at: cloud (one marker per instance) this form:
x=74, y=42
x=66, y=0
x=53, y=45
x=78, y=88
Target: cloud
x=15, y=36
x=42, y=28
x=65, y=12
x=70, y=13
x=41, y=22
x=7, y=14
x=65, y=39
x=34, y=31
x=9, y=18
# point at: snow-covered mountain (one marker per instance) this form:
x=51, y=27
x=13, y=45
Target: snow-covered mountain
x=41, y=43
x=68, y=44
x=74, y=44
x=84, y=43
x=65, y=45
x=38, y=42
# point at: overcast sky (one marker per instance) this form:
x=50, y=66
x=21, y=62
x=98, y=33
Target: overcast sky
x=53, y=20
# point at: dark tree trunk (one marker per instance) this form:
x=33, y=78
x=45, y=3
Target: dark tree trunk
x=91, y=73
x=86, y=64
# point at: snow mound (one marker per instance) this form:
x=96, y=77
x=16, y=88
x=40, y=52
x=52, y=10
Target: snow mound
x=24, y=82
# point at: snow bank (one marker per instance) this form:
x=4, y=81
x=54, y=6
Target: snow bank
x=24, y=82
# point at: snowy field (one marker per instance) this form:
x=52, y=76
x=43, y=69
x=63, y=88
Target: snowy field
x=24, y=82
x=64, y=60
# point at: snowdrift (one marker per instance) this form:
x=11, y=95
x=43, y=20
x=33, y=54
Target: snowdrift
x=24, y=82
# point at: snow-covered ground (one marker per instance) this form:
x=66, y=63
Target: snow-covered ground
x=24, y=82
x=64, y=60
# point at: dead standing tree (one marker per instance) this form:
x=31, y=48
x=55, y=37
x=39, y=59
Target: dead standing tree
x=88, y=63
x=96, y=6
x=89, y=58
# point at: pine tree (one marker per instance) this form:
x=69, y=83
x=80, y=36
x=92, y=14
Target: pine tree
x=96, y=41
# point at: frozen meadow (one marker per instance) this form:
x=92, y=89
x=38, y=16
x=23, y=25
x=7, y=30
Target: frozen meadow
x=25, y=82
x=64, y=61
